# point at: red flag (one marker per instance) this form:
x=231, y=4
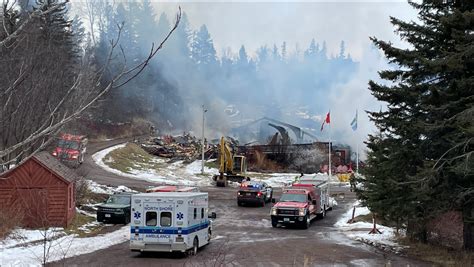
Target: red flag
x=327, y=120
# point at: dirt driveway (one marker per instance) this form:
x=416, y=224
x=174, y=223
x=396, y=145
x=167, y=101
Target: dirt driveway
x=93, y=172
x=243, y=236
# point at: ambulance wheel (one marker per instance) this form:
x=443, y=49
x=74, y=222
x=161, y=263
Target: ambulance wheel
x=263, y=202
x=195, y=246
x=239, y=203
x=209, y=235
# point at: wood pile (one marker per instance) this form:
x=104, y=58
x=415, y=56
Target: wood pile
x=183, y=147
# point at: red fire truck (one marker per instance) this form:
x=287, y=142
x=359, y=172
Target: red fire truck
x=70, y=149
x=301, y=203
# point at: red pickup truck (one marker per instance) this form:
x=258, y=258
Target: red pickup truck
x=299, y=205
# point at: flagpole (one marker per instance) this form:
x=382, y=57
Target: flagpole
x=357, y=159
x=330, y=170
x=357, y=154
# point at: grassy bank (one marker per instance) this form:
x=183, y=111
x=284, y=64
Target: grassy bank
x=440, y=256
x=131, y=157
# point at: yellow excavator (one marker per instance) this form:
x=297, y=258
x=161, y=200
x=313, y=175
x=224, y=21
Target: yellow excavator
x=231, y=167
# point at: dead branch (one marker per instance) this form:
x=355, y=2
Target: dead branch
x=51, y=124
x=33, y=15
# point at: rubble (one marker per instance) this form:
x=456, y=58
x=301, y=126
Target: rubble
x=183, y=147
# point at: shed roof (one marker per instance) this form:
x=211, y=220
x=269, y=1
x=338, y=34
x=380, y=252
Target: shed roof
x=56, y=166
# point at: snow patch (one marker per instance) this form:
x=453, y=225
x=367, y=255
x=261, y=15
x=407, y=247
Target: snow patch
x=64, y=247
x=360, y=230
x=103, y=189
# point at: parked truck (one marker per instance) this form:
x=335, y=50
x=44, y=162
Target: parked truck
x=70, y=149
x=116, y=209
x=300, y=204
x=170, y=221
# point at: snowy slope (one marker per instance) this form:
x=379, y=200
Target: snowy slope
x=174, y=173
x=15, y=253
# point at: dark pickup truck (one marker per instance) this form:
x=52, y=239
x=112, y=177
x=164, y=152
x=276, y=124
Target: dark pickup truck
x=116, y=209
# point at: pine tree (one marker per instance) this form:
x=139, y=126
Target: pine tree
x=312, y=50
x=324, y=51
x=263, y=54
x=429, y=122
x=47, y=55
x=179, y=45
x=163, y=26
x=283, y=51
x=342, y=50
x=243, y=58
x=203, y=51
x=275, y=53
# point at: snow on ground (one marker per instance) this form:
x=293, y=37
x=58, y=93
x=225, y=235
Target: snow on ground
x=190, y=174
x=360, y=230
x=103, y=189
x=286, y=179
x=88, y=213
x=23, y=236
x=274, y=179
x=176, y=173
x=19, y=253
x=99, y=156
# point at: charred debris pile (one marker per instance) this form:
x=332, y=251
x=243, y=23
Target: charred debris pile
x=182, y=147
x=308, y=158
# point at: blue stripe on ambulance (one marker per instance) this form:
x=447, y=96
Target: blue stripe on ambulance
x=169, y=230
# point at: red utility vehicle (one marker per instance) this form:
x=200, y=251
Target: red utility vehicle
x=71, y=149
x=300, y=204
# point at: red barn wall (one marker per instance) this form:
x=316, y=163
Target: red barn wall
x=41, y=196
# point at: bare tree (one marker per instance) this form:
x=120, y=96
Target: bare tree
x=38, y=97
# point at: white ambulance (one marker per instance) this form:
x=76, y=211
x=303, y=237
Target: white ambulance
x=170, y=221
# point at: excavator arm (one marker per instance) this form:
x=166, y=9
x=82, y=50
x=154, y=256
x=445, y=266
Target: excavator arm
x=227, y=162
x=225, y=158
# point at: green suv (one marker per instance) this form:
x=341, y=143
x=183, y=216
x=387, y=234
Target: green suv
x=116, y=209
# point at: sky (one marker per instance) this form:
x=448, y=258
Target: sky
x=252, y=24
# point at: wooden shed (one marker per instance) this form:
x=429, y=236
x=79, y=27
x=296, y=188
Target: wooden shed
x=40, y=192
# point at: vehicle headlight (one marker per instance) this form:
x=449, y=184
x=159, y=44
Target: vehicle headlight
x=302, y=211
x=273, y=211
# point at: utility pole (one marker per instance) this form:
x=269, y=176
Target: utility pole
x=202, y=141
